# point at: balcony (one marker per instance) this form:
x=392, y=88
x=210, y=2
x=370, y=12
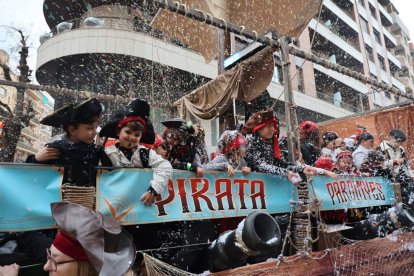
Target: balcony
x=97, y=43
x=334, y=38
x=341, y=14
x=389, y=36
x=398, y=25
x=330, y=99
x=393, y=59
x=26, y=147
x=384, y=76
x=398, y=84
x=348, y=81
x=385, y=16
x=362, y=11
x=372, y=68
x=30, y=133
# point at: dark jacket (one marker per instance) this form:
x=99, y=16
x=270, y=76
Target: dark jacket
x=79, y=161
x=184, y=154
x=260, y=158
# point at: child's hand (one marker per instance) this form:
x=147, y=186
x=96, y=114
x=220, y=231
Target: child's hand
x=199, y=172
x=246, y=170
x=148, y=199
x=331, y=174
x=230, y=170
x=47, y=154
x=294, y=178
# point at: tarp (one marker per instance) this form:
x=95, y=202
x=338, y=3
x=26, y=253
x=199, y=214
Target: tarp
x=285, y=17
x=188, y=198
x=25, y=196
x=244, y=82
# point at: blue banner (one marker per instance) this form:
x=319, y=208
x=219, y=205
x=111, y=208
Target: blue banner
x=25, y=196
x=214, y=195
x=351, y=192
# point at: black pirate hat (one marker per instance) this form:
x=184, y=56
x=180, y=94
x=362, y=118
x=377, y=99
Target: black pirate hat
x=137, y=108
x=83, y=113
x=179, y=123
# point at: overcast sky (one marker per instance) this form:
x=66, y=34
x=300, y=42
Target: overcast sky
x=29, y=15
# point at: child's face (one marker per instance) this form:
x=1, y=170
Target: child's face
x=160, y=150
x=172, y=140
x=345, y=164
x=339, y=143
x=83, y=133
x=267, y=131
x=129, y=138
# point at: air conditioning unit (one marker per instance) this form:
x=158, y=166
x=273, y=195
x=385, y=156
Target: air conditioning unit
x=328, y=24
x=332, y=58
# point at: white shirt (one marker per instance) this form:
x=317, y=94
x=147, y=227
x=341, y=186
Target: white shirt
x=359, y=156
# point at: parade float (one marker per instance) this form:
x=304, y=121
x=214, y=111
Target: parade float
x=279, y=229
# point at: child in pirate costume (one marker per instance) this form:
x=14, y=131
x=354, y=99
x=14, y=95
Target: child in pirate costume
x=75, y=150
x=130, y=127
x=182, y=146
x=263, y=154
x=232, y=150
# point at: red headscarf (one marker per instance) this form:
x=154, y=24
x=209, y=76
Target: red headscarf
x=307, y=127
x=235, y=144
x=276, y=150
x=131, y=119
x=69, y=246
x=325, y=163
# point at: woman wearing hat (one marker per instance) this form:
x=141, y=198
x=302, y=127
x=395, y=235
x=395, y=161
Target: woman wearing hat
x=263, y=153
x=88, y=243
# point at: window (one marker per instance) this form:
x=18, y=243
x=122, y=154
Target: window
x=387, y=94
x=377, y=36
x=3, y=92
x=299, y=79
x=369, y=53
x=278, y=74
x=362, y=2
x=381, y=62
x=373, y=11
x=364, y=25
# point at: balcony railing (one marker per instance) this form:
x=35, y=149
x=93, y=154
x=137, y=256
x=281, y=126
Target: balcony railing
x=29, y=133
x=330, y=99
x=113, y=23
x=26, y=147
x=335, y=29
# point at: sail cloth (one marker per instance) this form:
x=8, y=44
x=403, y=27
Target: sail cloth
x=285, y=17
x=244, y=82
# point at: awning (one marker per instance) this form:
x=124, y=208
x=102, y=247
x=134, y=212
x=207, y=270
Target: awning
x=285, y=17
x=244, y=82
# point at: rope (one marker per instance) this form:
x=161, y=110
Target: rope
x=173, y=247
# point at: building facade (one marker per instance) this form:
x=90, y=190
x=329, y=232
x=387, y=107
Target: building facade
x=109, y=47
x=33, y=136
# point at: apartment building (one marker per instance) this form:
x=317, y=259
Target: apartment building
x=109, y=47
x=32, y=137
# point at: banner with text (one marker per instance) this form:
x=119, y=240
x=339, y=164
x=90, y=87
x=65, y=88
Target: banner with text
x=351, y=192
x=214, y=195
x=25, y=196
